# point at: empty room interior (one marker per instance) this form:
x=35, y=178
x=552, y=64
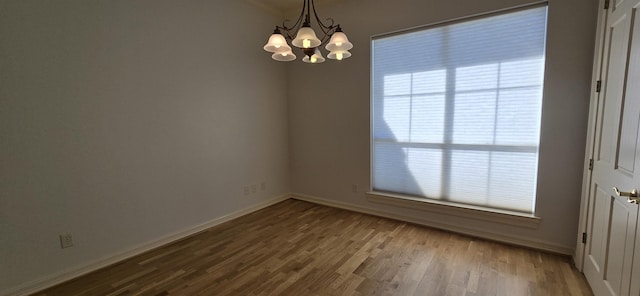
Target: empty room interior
x=445, y=148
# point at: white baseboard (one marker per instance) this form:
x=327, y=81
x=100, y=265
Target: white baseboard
x=509, y=239
x=65, y=275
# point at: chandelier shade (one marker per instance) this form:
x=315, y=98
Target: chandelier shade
x=339, y=55
x=316, y=58
x=284, y=56
x=339, y=41
x=302, y=34
x=306, y=38
x=277, y=43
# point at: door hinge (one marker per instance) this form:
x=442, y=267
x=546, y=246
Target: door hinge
x=591, y=164
x=584, y=237
x=606, y=4
x=598, y=85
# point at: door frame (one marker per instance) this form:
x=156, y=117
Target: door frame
x=594, y=99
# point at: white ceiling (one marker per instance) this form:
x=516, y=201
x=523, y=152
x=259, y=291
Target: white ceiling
x=284, y=7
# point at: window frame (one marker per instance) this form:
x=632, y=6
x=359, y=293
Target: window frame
x=443, y=206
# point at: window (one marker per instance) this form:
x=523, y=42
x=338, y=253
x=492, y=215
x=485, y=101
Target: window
x=456, y=110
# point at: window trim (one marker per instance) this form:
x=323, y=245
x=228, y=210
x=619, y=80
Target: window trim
x=456, y=209
x=462, y=19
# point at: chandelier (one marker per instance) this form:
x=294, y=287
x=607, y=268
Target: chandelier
x=306, y=39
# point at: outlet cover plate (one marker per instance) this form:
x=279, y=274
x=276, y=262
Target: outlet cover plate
x=66, y=240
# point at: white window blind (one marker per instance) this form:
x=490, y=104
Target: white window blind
x=456, y=110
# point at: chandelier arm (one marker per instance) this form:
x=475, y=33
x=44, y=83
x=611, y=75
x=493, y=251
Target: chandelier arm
x=286, y=32
x=323, y=27
x=296, y=26
x=325, y=39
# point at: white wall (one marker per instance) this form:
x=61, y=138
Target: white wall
x=124, y=121
x=329, y=114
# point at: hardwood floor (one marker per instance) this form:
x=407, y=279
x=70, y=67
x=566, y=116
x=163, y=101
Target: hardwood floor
x=299, y=248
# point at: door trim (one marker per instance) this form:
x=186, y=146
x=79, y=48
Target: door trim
x=585, y=197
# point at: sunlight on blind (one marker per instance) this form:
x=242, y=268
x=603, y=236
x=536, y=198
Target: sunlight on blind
x=456, y=110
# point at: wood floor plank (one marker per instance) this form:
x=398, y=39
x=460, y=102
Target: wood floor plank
x=299, y=248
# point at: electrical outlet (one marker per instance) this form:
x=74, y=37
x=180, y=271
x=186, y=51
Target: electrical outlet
x=254, y=188
x=263, y=186
x=246, y=190
x=66, y=240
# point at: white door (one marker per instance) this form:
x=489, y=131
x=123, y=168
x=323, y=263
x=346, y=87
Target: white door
x=612, y=230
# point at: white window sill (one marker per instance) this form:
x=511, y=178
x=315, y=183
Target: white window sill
x=456, y=209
